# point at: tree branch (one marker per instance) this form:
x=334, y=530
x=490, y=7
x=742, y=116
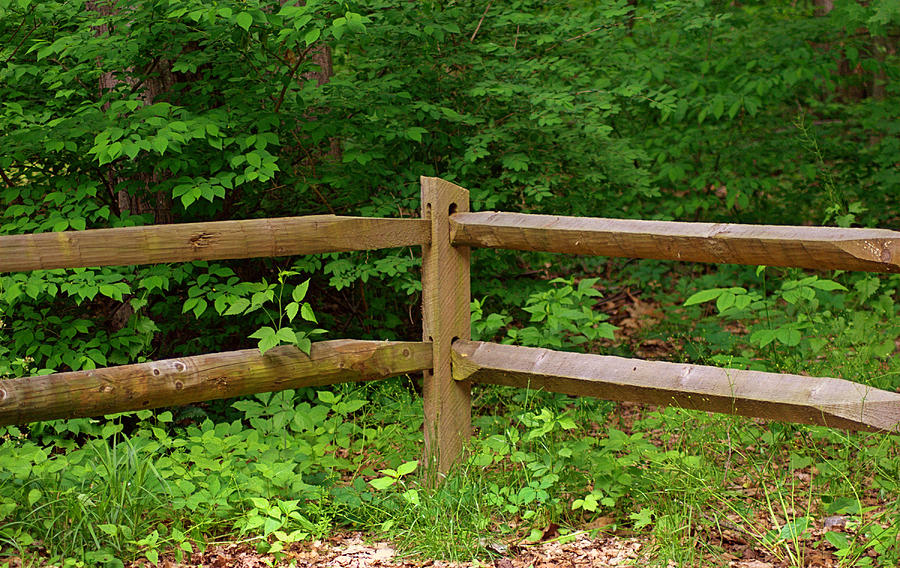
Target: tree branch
x=147, y=70
x=481, y=21
x=24, y=39
x=6, y=179
x=300, y=59
x=113, y=202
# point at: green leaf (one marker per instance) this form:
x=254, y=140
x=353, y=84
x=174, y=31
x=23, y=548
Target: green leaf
x=703, y=296
x=286, y=335
x=725, y=300
x=237, y=307
x=788, y=336
x=794, y=529
x=837, y=540
x=382, y=483
x=271, y=525
x=34, y=496
x=200, y=307
x=828, y=285
x=326, y=396
x=111, y=530
x=291, y=310
x=159, y=144
x=642, y=518
x=411, y=496
x=516, y=162
x=244, y=20
x=407, y=468
x=718, y=107
x=311, y=36
x=566, y=423
x=415, y=133
x=300, y=291
x=763, y=337
x=590, y=503
x=266, y=337
x=306, y=312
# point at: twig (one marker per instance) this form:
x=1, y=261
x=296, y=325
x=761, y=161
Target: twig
x=64, y=68
x=147, y=70
x=113, y=202
x=589, y=32
x=6, y=179
x=24, y=39
x=274, y=54
x=300, y=59
x=478, y=27
x=18, y=29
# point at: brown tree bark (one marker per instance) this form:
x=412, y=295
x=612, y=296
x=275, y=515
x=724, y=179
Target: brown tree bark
x=159, y=80
x=860, y=84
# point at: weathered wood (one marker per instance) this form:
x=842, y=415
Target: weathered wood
x=204, y=377
x=445, y=317
x=826, y=248
x=207, y=241
x=792, y=398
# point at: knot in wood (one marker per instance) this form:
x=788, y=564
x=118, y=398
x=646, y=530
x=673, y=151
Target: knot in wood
x=201, y=240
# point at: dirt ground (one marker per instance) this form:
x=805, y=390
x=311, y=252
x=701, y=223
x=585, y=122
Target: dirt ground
x=353, y=551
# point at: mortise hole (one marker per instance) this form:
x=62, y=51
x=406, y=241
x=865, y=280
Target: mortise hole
x=453, y=208
x=428, y=210
x=454, y=340
x=431, y=339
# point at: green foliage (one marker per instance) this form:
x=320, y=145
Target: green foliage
x=820, y=320
x=161, y=487
x=115, y=116
x=564, y=316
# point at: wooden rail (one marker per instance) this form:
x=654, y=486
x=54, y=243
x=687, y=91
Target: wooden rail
x=792, y=398
x=205, y=377
x=215, y=240
x=823, y=248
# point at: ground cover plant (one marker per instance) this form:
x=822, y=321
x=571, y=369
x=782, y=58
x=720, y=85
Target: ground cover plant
x=130, y=113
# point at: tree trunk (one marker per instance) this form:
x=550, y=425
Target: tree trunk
x=160, y=79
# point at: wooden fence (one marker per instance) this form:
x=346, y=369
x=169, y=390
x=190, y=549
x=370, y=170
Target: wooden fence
x=450, y=361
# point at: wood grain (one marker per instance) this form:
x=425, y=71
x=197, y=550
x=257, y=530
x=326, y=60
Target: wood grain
x=445, y=317
x=791, y=398
x=207, y=241
x=204, y=377
x=825, y=248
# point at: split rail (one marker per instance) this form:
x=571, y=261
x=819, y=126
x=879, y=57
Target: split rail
x=451, y=362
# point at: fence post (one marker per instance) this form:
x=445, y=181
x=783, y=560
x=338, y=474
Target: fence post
x=445, y=317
